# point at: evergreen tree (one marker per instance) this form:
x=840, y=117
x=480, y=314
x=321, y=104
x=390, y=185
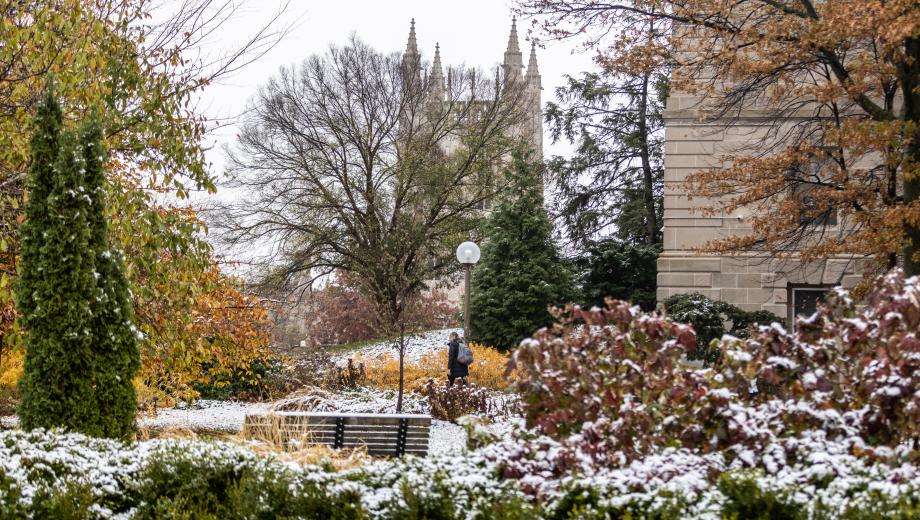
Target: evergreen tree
x=117, y=355
x=521, y=273
x=618, y=269
x=81, y=350
x=613, y=183
x=44, y=148
x=57, y=384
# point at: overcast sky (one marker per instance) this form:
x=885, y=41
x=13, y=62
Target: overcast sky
x=471, y=32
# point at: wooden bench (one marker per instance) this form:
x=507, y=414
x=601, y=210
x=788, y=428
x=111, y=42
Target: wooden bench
x=381, y=434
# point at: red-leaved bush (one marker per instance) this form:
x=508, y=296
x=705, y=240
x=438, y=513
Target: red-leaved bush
x=339, y=314
x=614, y=381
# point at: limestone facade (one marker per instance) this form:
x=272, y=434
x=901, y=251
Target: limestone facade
x=752, y=281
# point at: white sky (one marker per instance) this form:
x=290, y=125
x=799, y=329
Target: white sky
x=472, y=32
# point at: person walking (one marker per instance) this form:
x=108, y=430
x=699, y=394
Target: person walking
x=455, y=368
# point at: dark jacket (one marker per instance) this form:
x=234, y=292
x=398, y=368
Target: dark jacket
x=456, y=368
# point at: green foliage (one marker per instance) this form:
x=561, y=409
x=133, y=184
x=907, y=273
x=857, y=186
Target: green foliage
x=748, y=500
x=613, y=268
x=71, y=501
x=115, y=336
x=708, y=318
x=81, y=351
x=39, y=183
x=253, y=382
x=615, y=177
x=180, y=483
x=57, y=384
x=521, y=273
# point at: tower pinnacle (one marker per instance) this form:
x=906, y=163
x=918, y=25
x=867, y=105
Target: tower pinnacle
x=411, y=58
x=437, y=75
x=514, y=61
x=533, y=71
x=412, y=44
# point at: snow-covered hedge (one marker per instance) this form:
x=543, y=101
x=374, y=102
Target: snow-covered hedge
x=54, y=475
x=617, y=378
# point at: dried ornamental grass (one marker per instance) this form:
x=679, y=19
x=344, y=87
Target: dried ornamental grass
x=488, y=369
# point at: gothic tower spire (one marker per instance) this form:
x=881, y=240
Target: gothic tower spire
x=533, y=71
x=412, y=60
x=437, y=75
x=534, y=86
x=514, y=60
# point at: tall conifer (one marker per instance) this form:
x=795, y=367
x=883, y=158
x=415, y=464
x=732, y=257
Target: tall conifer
x=521, y=273
x=44, y=149
x=115, y=348
x=57, y=383
x=81, y=349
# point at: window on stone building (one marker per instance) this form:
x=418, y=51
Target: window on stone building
x=806, y=179
x=804, y=300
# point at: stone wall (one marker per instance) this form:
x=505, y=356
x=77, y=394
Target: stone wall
x=750, y=281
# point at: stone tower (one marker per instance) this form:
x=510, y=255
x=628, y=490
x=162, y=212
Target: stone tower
x=531, y=129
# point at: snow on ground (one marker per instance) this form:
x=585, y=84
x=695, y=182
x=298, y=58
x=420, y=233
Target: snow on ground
x=446, y=439
x=223, y=416
x=417, y=346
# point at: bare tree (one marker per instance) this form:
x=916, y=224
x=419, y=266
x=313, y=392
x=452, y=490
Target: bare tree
x=357, y=162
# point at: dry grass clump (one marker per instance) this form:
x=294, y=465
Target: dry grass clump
x=269, y=442
x=488, y=369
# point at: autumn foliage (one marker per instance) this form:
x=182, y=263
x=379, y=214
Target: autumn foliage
x=619, y=380
x=140, y=76
x=823, y=96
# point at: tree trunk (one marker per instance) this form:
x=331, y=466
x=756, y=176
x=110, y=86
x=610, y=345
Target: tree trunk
x=910, y=81
x=402, y=358
x=648, y=177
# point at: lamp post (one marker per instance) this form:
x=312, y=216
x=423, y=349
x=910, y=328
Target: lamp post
x=467, y=254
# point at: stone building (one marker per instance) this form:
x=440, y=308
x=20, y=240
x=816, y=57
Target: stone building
x=531, y=129
x=753, y=280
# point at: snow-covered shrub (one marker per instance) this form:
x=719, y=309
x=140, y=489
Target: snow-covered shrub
x=449, y=403
x=615, y=378
x=600, y=363
x=201, y=480
x=708, y=318
x=854, y=365
x=56, y=475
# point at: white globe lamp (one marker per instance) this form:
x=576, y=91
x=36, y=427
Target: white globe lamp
x=467, y=254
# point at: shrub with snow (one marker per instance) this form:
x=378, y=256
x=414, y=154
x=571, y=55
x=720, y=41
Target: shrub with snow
x=54, y=475
x=615, y=377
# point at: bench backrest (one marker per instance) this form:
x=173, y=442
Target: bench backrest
x=381, y=434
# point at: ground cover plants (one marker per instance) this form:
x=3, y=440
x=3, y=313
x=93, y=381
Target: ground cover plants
x=816, y=423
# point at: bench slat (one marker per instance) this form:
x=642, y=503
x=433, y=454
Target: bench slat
x=314, y=418
x=348, y=429
x=378, y=434
x=351, y=433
